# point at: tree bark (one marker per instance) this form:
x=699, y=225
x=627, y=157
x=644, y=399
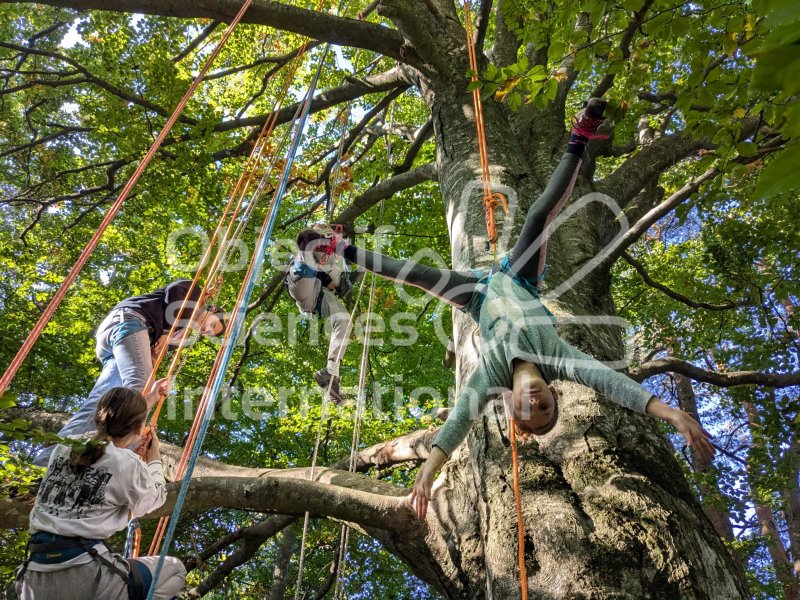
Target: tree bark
x=280, y=571
x=606, y=508
x=605, y=505
x=714, y=503
x=766, y=518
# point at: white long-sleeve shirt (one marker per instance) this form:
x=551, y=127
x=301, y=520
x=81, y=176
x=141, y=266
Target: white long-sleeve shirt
x=95, y=502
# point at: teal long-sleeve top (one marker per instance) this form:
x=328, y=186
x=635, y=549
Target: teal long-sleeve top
x=514, y=324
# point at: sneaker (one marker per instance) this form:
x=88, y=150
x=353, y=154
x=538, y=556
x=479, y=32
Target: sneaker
x=329, y=382
x=588, y=120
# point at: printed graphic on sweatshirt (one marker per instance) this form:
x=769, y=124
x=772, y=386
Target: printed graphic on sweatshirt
x=71, y=493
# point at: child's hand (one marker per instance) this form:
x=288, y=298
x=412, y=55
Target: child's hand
x=154, y=450
x=160, y=388
x=422, y=494
x=697, y=438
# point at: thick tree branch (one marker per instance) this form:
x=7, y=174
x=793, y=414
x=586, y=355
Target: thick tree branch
x=253, y=538
x=672, y=293
x=349, y=497
x=630, y=177
x=207, y=31
x=317, y=25
x=482, y=25
x=412, y=447
x=729, y=379
x=506, y=43
x=423, y=135
x=661, y=210
x=382, y=190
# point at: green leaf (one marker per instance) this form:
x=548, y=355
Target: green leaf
x=747, y=149
x=632, y=5
x=780, y=175
x=551, y=89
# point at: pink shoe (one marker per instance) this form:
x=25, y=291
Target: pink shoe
x=589, y=119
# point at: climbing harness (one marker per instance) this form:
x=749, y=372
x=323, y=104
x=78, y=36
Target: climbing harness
x=50, y=548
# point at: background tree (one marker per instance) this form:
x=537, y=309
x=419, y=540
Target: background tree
x=701, y=163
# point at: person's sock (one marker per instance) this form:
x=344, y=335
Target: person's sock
x=577, y=144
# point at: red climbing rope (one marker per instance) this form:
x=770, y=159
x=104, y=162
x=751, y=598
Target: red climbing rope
x=523, y=574
x=45, y=317
x=491, y=200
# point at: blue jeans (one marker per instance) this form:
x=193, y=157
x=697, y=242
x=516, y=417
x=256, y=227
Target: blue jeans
x=123, y=346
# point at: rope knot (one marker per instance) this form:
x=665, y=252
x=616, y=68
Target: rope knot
x=495, y=199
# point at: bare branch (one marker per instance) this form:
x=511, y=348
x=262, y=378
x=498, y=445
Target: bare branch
x=729, y=379
x=356, y=131
x=63, y=132
x=643, y=224
x=352, y=89
x=384, y=189
x=209, y=29
x=625, y=47
x=482, y=25
x=424, y=134
x=675, y=295
x=278, y=60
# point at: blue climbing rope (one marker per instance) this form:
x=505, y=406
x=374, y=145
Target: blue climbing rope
x=238, y=321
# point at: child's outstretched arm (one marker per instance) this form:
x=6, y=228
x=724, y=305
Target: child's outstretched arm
x=471, y=402
x=562, y=361
x=697, y=438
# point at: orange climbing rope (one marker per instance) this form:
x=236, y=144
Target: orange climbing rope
x=491, y=200
x=523, y=574
x=54, y=303
x=241, y=188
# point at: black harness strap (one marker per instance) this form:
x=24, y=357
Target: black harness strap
x=133, y=577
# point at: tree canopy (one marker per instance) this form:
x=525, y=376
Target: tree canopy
x=702, y=159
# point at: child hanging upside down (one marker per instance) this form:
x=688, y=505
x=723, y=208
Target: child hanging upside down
x=520, y=349
x=131, y=337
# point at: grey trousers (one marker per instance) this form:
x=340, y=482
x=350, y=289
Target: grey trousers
x=340, y=326
x=93, y=580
